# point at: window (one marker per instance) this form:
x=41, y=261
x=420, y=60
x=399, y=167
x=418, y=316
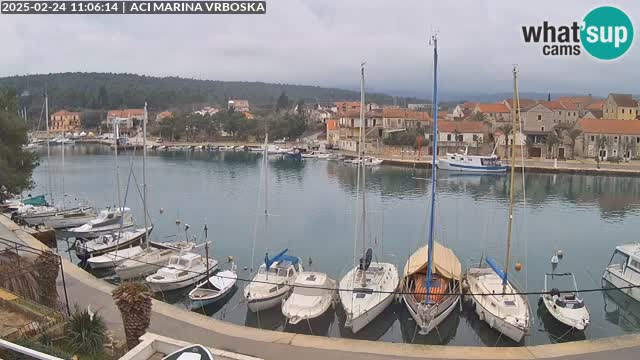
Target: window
x=618, y=261
x=615, y=139
x=638, y=140
x=448, y=137
x=623, y=111
x=539, y=117
x=290, y=272
x=593, y=138
x=635, y=264
x=542, y=128
x=475, y=137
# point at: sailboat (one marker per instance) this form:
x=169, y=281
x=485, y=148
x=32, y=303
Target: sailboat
x=368, y=288
x=431, y=279
x=52, y=216
x=107, y=221
x=496, y=299
x=153, y=255
x=271, y=283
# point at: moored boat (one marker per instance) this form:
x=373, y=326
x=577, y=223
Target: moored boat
x=272, y=282
x=109, y=242
x=623, y=270
x=312, y=295
x=213, y=289
x=184, y=269
x=566, y=307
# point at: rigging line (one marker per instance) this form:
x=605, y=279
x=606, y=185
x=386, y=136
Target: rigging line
x=607, y=289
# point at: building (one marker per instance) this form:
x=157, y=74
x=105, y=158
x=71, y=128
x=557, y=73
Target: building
x=239, y=105
x=64, y=121
x=421, y=107
x=247, y=115
x=608, y=138
x=163, y=115
x=461, y=133
x=349, y=124
x=207, y=110
x=347, y=106
x=333, y=131
x=592, y=114
x=130, y=120
x=621, y=107
x=496, y=113
x=397, y=119
x=524, y=103
x=580, y=102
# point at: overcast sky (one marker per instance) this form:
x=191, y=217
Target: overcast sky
x=322, y=42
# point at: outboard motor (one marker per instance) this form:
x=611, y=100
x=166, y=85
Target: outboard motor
x=366, y=261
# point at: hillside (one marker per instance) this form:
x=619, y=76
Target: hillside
x=103, y=91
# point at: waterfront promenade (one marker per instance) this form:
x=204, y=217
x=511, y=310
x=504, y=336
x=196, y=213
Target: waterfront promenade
x=174, y=322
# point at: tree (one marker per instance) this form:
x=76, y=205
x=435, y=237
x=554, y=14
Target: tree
x=479, y=116
x=551, y=140
x=601, y=144
x=85, y=332
x=16, y=164
x=103, y=98
x=300, y=107
x=506, y=129
x=133, y=299
x=283, y=102
x=573, y=135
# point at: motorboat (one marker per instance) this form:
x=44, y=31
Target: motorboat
x=369, y=288
x=109, y=242
x=312, y=295
x=372, y=161
x=500, y=305
x=623, y=271
x=323, y=156
x=150, y=259
x=113, y=258
x=430, y=307
x=272, y=282
x=309, y=155
x=58, y=219
x=472, y=163
x=566, y=307
x=107, y=221
x=184, y=269
x=213, y=289
x=191, y=352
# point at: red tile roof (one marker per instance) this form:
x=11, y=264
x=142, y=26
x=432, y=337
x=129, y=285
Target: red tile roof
x=493, y=108
x=598, y=105
x=65, y=113
x=585, y=99
x=624, y=100
x=470, y=105
x=524, y=103
x=609, y=126
x=125, y=113
x=406, y=114
x=462, y=126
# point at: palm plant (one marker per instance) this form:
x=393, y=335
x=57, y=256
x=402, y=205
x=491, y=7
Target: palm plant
x=134, y=302
x=85, y=332
x=479, y=116
x=506, y=129
x=47, y=267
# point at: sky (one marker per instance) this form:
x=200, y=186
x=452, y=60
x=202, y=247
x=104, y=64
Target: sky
x=323, y=42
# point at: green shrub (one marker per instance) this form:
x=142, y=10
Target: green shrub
x=85, y=332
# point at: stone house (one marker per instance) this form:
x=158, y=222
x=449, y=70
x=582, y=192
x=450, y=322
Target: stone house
x=621, y=107
x=608, y=138
x=64, y=121
x=497, y=113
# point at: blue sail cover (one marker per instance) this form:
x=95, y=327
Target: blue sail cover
x=35, y=201
x=280, y=256
x=497, y=269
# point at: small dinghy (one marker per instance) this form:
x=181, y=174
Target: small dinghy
x=192, y=352
x=566, y=307
x=213, y=289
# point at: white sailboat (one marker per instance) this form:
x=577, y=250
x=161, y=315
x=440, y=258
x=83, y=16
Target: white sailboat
x=313, y=294
x=107, y=221
x=183, y=269
x=153, y=255
x=368, y=288
x=112, y=259
x=107, y=243
x=432, y=275
x=496, y=299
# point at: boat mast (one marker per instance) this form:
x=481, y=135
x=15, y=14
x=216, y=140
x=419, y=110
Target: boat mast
x=266, y=175
x=116, y=135
x=144, y=173
x=514, y=113
x=64, y=138
x=434, y=157
x=46, y=106
x=361, y=167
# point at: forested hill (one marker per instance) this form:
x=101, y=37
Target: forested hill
x=103, y=91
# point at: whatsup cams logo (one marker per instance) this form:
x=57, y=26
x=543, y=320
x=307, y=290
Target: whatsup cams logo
x=605, y=33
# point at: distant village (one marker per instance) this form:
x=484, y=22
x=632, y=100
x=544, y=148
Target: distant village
x=563, y=128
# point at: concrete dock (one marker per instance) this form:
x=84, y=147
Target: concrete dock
x=170, y=321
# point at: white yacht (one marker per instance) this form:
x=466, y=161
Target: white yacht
x=472, y=163
x=108, y=220
x=312, y=295
x=214, y=288
x=59, y=219
x=109, y=242
x=623, y=271
x=272, y=281
x=150, y=259
x=183, y=270
x=568, y=308
x=112, y=259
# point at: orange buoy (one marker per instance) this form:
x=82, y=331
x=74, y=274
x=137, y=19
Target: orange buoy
x=518, y=266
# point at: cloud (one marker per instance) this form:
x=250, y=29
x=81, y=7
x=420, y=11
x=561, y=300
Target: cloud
x=323, y=42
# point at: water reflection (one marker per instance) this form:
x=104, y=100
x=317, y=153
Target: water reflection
x=621, y=310
x=442, y=335
x=557, y=331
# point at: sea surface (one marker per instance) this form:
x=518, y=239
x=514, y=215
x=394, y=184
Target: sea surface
x=313, y=208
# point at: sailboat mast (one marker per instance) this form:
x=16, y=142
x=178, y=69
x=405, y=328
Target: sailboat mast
x=116, y=136
x=144, y=174
x=266, y=173
x=361, y=167
x=514, y=113
x=46, y=106
x=434, y=171
x=64, y=138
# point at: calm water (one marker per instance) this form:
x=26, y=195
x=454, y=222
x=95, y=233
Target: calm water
x=313, y=206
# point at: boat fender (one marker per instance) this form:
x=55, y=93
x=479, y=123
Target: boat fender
x=492, y=322
x=481, y=316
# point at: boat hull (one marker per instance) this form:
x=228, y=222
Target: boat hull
x=428, y=324
x=83, y=254
x=619, y=282
x=571, y=318
x=358, y=323
x=261, y=304
x=174, y=285
x=197, y=304
x=94, y=233
x=453, y=166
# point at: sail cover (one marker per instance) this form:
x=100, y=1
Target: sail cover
x=445, y=262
